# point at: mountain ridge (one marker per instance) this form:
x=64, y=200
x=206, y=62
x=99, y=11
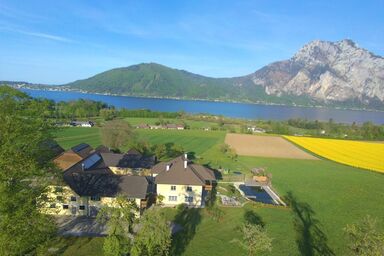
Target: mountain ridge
x=321, y=73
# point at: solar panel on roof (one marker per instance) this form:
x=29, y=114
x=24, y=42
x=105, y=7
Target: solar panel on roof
x=91, y=161
x=80, y=147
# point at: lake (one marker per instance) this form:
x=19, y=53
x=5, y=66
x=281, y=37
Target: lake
x=236, y=110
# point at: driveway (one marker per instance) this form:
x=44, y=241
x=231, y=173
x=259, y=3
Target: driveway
x=80, y=226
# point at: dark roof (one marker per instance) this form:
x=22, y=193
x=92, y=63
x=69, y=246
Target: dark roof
x=82, y=150
x=194, y=174
x=133, y=151
x=128, y=161
x=107, y=185
x=103, y=149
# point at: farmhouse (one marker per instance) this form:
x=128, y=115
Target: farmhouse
x=81, y=123
x=180, y=181
x=94, y=178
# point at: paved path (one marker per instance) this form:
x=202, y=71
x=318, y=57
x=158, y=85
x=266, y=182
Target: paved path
x=80, y=226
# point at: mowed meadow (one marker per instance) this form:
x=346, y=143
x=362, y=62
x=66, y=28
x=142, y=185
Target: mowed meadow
x=329, y=196
x=367, y=155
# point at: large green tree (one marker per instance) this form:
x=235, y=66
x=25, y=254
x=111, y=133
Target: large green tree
x=24, y=156
x=119, y=219
x=154, y=235
x=364, y=238
x=117, y=133
x=255, y=239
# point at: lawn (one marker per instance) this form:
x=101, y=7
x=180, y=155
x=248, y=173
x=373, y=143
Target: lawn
x=330, y=195
x=69, y=137
x=152, y=121
x=191, y=140
x=196, y=141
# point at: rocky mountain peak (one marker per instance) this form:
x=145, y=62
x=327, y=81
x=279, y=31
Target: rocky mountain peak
x=327, y=71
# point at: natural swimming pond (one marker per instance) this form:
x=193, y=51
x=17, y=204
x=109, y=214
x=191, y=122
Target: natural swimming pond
x=257, y=194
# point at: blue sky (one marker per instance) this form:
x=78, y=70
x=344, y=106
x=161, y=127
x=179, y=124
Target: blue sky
x=64, y=40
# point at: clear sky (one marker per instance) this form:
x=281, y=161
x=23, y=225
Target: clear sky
x=58, y=41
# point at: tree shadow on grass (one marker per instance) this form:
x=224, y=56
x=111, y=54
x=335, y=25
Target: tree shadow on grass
x=189, y=219
x=253, y=218
x=310, y=239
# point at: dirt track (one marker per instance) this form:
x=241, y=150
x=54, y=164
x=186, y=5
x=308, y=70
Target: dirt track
x=265, y=146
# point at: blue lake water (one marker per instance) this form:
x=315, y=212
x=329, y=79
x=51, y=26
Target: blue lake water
x=237, y=110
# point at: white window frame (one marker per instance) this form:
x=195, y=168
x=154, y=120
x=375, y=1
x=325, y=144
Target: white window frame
x=172, y=198
x=173, y=188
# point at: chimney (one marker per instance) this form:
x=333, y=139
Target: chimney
x=185, y=156
x=185, y=163
x=82, y=166
x=167, y=167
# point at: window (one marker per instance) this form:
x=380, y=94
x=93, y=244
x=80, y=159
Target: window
x=189, y=189
x=189, y=199
x=65, y=206
x=173, y=188
x=59, y=198
x=73, y=198
x=95, y=198
x=82, y=207
x=52, y=206
x=172, y=198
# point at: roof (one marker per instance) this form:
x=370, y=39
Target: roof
x=127, y=160
x=194, y=174
x=72, y=156
x=67, y=159
x=133, y=151
x=83, y=149
x=107, y=185
x=103, y=149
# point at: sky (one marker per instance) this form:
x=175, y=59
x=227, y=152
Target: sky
x=56, y=42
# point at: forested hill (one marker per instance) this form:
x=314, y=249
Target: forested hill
x=155, y=80
x=320, y=73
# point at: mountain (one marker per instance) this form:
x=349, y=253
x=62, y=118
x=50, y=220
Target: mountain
x=327, y=72
x=321, y=73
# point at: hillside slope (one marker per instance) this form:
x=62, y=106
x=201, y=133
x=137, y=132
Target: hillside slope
x=321, y=73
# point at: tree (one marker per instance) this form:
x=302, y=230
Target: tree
x=117, y=133
x=160, y=150
x=364, y=239
x=255, y=239
x=23, y=133
x=108, y=113
x=119, y=219
x=154, y=235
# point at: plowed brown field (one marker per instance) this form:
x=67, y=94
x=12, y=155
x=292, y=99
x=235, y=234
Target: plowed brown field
x=265, y=146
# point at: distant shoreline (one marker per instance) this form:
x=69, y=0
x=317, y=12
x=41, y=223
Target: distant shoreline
x=197, y=99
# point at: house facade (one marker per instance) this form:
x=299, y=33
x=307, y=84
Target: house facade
x=180, y=181
x=94, y=178
x=90, y=182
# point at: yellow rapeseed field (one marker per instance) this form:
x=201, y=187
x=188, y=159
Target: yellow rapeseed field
x=367, y=155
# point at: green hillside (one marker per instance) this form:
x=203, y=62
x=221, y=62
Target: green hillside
x=155, y=80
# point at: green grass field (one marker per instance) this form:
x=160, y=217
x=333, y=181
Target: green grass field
x=327, y=194
x=152, y=121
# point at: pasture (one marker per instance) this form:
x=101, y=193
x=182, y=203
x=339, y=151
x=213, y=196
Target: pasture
x=329, y=196
x=366, y=155
x=265, y=146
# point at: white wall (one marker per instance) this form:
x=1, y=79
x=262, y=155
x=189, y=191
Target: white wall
x=180, y=193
